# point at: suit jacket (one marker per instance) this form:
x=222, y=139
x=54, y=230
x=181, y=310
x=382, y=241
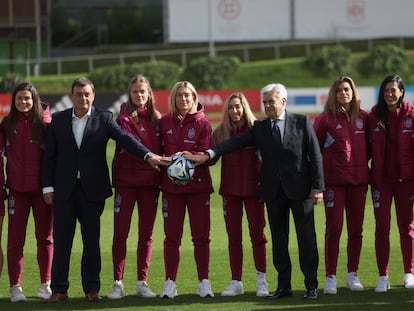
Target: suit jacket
x=63, y=159
x=296, y=166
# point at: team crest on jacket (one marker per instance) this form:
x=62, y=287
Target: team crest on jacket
x=359, y=123
x=191, y=133
x=330, y=194
x=408, y=122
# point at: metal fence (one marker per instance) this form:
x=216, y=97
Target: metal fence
x=182, y=56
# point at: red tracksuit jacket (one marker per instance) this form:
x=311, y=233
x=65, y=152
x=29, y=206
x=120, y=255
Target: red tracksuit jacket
x=127, y=169
x=344, y=147
x=23, y=156
x=404, y=143
x=240, y=171
x=192, y=134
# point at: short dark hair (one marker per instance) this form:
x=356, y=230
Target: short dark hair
x=82, y=81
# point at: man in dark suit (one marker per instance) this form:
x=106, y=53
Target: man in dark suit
x=291, y=179
x=75, y=178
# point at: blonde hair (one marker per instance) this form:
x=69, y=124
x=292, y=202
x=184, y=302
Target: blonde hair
x=225, y=127
x=335, y=108
x=171, y=104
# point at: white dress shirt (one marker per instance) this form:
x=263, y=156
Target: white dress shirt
x=78, y=126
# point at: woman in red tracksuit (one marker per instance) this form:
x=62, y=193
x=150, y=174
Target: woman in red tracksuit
x=22, y=135
x=391, y=124
x=240, y=173
x=342, y=133
x=135, y=181
x=3, y=196
x=185, y=128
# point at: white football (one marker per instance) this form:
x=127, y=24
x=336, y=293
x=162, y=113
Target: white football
x=180, y=169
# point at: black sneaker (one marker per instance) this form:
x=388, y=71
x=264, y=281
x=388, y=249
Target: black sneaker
x=311, y=294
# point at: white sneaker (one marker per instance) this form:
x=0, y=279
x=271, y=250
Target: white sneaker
x=169, y=290
x=353, y=283
x=408, y=280
x=204, y=288
x=331, y=285
x=16, y=294
x=383, y=284
x=235, y=288
x=262, y=289
x=117, y=291
x=142, y=290
x=44, y=291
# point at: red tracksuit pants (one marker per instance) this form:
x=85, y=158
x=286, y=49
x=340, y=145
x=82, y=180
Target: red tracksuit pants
x=147, y=201
x=338, y=199
x=19, y=208
x=233, y=213
x=403, y=194
x=173, y=208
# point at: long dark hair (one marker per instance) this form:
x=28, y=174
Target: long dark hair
x=35, y=114
x=381, y=110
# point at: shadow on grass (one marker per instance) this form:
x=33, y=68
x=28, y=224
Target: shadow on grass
x=398, y=298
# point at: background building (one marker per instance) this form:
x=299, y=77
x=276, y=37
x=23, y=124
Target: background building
x=37, y=34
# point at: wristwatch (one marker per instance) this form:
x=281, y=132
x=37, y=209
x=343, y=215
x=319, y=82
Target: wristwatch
x=148, y=155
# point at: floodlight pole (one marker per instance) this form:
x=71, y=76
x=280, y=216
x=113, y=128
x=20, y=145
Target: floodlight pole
x=38, y=37
x=211, y=49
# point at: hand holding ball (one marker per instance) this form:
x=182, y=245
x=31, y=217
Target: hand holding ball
x=180, y=170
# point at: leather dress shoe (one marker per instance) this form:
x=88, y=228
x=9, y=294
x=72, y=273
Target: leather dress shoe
x=280, y=293
x=57, y=297
x=93, y=297
x=311, y=294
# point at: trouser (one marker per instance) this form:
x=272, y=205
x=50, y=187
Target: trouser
x=66, y=213
x=303, y=216
x=147, y=201
x=19, y=209
x=173, y=208
x=337, y=199
x=403, y=194
x=233, y=213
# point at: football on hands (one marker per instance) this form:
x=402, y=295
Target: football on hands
x=180, y=169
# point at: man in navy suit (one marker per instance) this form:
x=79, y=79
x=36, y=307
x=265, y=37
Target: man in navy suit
x=75, y=179
x=291, y=180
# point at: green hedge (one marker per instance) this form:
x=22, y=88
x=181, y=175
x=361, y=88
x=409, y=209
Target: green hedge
x=329, y=60
x=205, y=73
x=9, y=82
x=385, y=59
x=211, y=73
x=162, y=75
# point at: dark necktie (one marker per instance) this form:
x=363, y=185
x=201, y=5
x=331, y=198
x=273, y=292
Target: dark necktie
x=276, y=133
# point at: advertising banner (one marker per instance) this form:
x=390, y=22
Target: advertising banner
x=5, y=100
x=300, y=100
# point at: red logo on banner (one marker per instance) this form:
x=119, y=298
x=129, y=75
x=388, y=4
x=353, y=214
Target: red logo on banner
x=356, y=11
x=229, y=9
